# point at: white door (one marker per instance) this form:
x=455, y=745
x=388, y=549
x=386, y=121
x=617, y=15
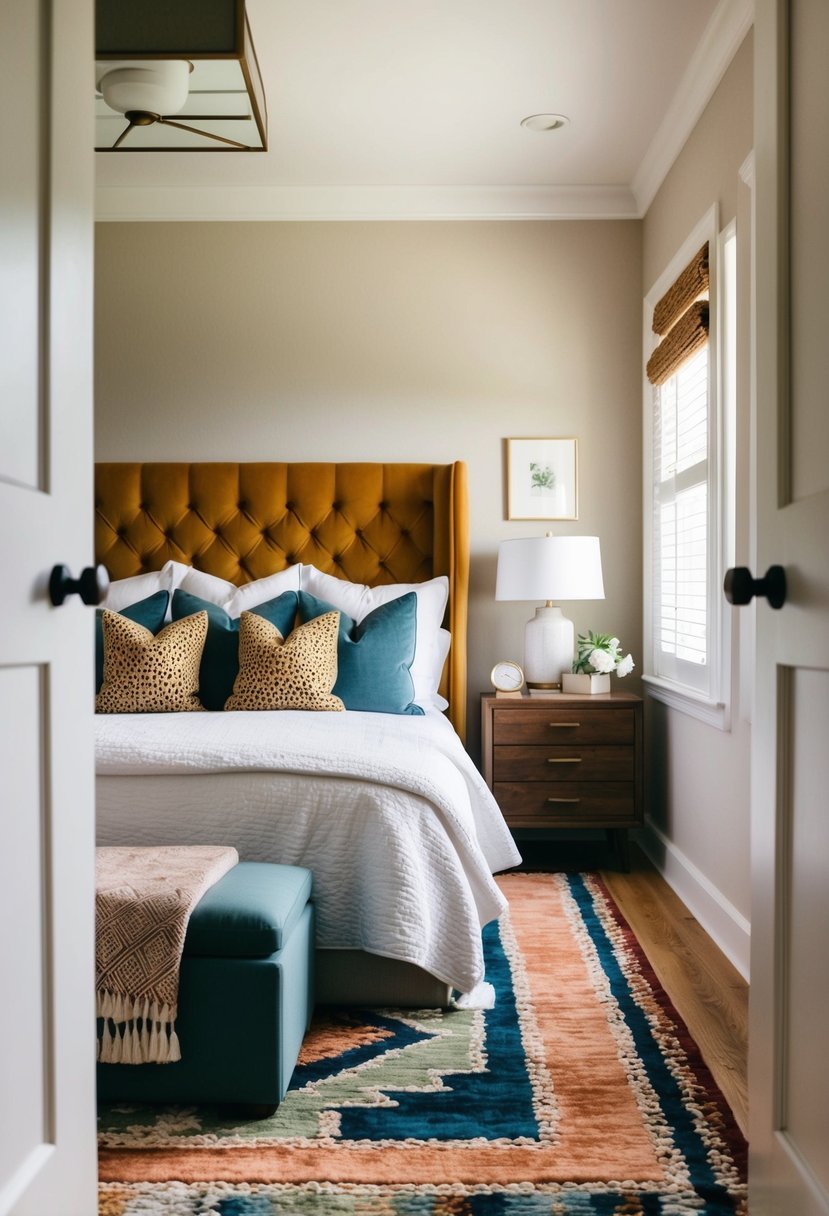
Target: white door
x=789, y=1024
x=47, y=1111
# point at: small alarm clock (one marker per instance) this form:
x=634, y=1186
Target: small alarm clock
x=507, y=678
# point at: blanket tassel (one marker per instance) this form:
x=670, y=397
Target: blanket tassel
x=136, y=1031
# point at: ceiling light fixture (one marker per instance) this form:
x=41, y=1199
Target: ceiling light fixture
x=544, y=122
x=193, y=59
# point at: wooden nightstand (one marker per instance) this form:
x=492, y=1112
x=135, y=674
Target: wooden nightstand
x=566, y=761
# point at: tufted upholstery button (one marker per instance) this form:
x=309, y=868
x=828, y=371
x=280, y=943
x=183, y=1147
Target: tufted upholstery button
x=242, y=506
x=290, y=559
x=122, y=531
x=336, y=506
x=383, y=506
x=289, y=506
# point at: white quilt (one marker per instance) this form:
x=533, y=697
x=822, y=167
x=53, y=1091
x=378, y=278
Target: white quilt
x=390, y=814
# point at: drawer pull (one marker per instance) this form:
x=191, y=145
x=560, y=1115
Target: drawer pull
x=564, y=725
x=564, y=799
x=564, y=760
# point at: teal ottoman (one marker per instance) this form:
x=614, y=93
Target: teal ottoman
x=245, y=996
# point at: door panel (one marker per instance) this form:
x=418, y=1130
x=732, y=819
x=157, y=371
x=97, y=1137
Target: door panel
x=23, y=1009
x=47, y=1044
x=788, y=1058
x=809, y=206
x=806, y=1098
x=21, y=199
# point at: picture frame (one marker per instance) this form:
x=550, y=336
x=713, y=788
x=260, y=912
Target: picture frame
x=542, y=478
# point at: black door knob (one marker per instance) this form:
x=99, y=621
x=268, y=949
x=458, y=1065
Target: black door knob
x=740, y=587
x=92, y=586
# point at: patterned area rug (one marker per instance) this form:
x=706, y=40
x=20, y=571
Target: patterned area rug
x=579, y=1093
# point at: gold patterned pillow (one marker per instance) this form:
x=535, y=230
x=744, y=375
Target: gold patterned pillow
x=294, y=673
x=147, y=674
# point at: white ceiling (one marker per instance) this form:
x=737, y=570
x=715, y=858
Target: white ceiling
x=412, y=108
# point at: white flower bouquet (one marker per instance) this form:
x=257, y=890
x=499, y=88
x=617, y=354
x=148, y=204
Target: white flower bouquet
x=600, y=652
x=597, y=656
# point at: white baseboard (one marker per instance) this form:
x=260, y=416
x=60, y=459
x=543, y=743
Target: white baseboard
x=717, y=915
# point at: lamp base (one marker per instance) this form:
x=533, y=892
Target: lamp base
x=549, y=643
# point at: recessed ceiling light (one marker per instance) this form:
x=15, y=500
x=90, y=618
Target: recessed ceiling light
x=544, y=122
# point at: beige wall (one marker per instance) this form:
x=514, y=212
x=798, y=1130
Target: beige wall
x=384, y=341
x=700, y=775
x=706, y=170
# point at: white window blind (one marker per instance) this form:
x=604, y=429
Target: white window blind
x=680, y=525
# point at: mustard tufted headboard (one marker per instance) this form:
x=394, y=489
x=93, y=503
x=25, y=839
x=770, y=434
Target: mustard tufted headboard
x=368, y=523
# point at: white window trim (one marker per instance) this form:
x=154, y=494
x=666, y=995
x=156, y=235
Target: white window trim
x=714, y=706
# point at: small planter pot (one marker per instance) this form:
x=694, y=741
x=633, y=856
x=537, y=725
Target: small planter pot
x=585, y=684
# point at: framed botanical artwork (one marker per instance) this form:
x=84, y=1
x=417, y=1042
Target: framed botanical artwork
x=542, y=479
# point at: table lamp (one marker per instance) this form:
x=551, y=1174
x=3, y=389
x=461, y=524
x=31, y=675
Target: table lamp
x=549, y=568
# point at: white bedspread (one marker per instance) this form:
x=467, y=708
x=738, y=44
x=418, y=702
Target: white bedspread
x=388, y=811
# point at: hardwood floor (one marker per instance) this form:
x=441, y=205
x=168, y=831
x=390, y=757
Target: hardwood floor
x=708, y=992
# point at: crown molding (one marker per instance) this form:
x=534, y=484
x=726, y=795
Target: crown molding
x=723, y=36
x=357, y=203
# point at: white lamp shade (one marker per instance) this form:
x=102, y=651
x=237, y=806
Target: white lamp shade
x=550, y=568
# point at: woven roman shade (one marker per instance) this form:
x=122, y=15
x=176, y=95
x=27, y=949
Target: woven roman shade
x=684, y=340
x=691, y=284
x=680, y=317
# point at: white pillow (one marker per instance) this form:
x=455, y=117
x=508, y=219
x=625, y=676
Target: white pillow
x=126, y=591
x=444, y=642
x=236, y=600
x=357, y=600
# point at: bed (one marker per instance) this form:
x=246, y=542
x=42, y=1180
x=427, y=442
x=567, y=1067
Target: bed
x=386, y=809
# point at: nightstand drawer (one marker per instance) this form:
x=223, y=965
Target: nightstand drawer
x=537, y=763
x=550, y=724
x=566, y=804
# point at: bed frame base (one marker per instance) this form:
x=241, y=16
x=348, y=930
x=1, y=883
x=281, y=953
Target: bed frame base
x=354, y=977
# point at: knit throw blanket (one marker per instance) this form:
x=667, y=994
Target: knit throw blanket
x=143, y=901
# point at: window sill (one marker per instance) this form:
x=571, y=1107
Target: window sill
x=712, y=713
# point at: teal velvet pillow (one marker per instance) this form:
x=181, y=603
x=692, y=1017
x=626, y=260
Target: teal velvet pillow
x=374, y=657
x=149, y=613
x=220, y=657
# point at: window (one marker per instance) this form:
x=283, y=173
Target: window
x=688, y=473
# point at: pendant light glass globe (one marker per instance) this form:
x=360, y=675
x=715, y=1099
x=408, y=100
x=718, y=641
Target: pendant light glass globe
x=153, y=87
